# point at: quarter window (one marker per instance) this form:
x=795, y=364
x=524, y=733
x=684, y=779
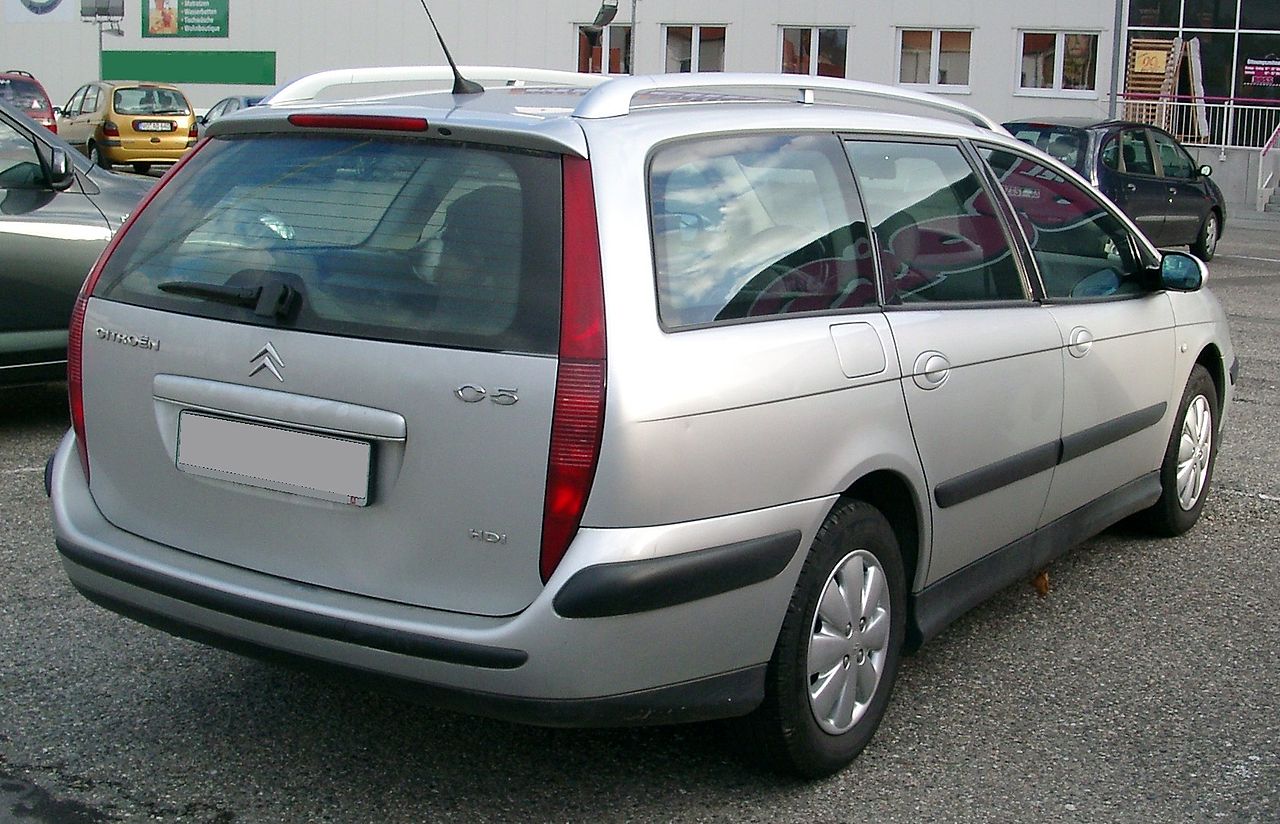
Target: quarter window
x=935, y=225
x=1058, y=61
x=1081, y=249
x=934, y=57
x=609, y=54
x=748, y=227
x=800, y=57
x=695, y=48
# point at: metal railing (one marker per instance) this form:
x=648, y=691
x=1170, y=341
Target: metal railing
x=1220, y=122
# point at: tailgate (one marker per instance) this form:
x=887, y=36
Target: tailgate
x=332, y=358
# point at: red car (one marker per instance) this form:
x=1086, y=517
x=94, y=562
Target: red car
x=22, y=91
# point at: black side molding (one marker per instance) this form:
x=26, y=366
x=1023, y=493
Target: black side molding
x=1010, y=470
x=1108, y=432
x=993, y=476
x=296, y=620
x=639, y=586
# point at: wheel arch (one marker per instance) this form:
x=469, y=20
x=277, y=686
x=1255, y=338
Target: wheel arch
x=893, y=495
x=1211, y=359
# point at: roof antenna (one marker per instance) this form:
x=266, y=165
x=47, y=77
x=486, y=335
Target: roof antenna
x=461, y=85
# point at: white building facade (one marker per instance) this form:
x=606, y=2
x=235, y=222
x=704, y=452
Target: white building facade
x=1009, y=58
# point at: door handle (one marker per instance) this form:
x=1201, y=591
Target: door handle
x=931, y=370
x=1079, y=342
x=1172, y=191
x=1130, y=187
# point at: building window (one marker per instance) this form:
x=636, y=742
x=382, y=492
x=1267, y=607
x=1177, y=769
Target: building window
x=799, y=56
x=610, y=54
x=695, y=48
x=1058, y=61
x=934, y=57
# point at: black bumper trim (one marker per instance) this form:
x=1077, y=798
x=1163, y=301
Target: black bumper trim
x=724, y=695
x=1235, y=370
x=654, y=583
x=296, y=620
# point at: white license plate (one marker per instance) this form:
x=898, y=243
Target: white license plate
x=270, y=457
x=153, y=126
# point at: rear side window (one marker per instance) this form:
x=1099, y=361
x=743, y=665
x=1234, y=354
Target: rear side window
x=748, y=227
x=394, y=239
x=939, y=236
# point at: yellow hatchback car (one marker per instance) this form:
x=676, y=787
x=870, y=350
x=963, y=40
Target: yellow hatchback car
x=118, y=122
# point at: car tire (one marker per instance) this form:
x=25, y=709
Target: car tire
x=1207, y=243
x=837, y=654
x=1188, y=461
x=97, y=158
x=142, y=168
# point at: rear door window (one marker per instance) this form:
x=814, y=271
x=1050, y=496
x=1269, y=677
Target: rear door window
x=395, y=239
x=1136, y=152
x=751, y=227
x=936, y=227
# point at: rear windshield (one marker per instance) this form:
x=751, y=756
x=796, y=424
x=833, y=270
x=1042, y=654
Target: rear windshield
x=393, y=239
x=149, y=101
x=25, y=95
x=1065, y=143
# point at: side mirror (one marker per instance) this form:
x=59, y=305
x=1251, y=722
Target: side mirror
x=1181, y=272
x=59, y=172
x=1206, y=170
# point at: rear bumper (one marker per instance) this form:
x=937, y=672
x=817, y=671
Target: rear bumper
x=606, y=666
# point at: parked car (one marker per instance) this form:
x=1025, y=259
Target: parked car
x=56, y=215
x=1144, y=170
x=23, y=92
x=644, y=400
x=123, y=122
x=227, y=105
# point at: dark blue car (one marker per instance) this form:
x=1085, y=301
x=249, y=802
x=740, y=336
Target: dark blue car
x=1144, y=170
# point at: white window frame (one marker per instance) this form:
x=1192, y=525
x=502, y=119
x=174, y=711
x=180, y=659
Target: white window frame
x=935, y=59
x=1059, y=57
x=815, y=32
x=695, y=47
x=604, y=45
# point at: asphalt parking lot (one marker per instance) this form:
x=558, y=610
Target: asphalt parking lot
x=1144, y=688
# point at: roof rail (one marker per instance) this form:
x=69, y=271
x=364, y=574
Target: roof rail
x=310, y=86
x=614, y=98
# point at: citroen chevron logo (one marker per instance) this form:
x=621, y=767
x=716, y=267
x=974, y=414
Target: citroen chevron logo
x=269, y=359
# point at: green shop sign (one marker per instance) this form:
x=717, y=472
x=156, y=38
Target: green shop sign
x=184, y=18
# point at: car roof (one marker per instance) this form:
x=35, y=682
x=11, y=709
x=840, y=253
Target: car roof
x=552, y=109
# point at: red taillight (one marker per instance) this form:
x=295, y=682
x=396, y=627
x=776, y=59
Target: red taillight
x=75, y=334
x=360, y=121
x=578, y=411
x=194, y=132
x=110, y=129
x=51, y=125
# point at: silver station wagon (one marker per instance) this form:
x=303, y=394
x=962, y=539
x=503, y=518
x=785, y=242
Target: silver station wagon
x=634, y=401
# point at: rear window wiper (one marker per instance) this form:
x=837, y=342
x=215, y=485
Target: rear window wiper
x=275, y=299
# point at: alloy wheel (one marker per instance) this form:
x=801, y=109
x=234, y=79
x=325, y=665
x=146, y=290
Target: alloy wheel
x=849, y=642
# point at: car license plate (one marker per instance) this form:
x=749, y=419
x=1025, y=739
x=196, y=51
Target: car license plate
x=153, y=126
x=271, y=457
